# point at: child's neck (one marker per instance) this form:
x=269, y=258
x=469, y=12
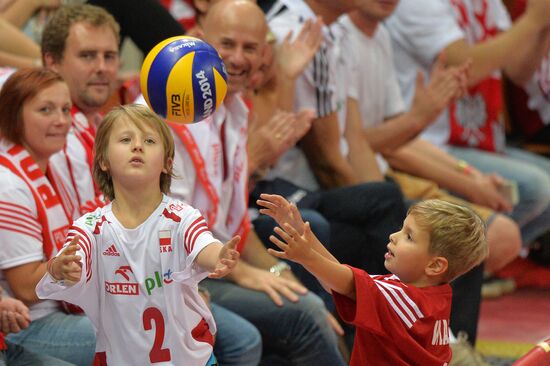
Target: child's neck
x=426, y=282
x=132, y=209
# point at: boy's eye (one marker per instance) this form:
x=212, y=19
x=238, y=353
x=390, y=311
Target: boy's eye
x=149, y=141
x=125, y=139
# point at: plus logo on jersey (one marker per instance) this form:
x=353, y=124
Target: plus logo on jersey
x=122, y=288
x=111, y=251
x=158, y=281
x=165, y=241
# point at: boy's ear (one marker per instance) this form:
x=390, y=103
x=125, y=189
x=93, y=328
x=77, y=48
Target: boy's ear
x=103, y=165
x=437, y=266
x=168, y=166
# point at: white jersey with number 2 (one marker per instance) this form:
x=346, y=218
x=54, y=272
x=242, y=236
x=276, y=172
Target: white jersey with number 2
x=139, y=286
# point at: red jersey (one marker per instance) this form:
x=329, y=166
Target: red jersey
x=397, y=324
x=2, y=343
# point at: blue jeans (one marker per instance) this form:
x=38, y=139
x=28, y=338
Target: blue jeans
x=238, y=343
x=68, y=337
x=299, y=331
x=531, y=172
x=19, y=356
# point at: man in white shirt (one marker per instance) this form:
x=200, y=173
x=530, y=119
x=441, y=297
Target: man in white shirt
x=260, y=289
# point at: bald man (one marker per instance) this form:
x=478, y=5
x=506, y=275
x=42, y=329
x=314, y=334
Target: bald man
x=212, y=157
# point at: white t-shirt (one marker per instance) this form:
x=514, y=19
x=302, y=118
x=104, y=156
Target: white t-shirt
x=220, y=142
x=421, y=29
x=318, y=88
x=374, y=84
x=139, y=286
x=20, y=234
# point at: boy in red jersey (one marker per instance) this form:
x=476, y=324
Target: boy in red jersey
x=401, y=318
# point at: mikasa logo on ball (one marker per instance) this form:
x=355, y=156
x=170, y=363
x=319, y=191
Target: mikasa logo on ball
x=180, y=46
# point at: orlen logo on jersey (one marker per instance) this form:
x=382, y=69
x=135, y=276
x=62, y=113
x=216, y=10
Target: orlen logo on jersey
x=122, y=288
x=158, y=281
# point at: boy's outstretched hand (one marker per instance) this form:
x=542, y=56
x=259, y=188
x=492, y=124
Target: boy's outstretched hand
x=295, y=246
x=227, y=259
x=282, y=211
x=67, y=266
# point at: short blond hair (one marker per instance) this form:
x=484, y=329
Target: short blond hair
x=141, y=116
x=456, y=233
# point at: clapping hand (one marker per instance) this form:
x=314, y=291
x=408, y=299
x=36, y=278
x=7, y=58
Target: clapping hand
x=293, y=56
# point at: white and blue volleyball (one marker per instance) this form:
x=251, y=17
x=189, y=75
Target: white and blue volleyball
x=183, y=79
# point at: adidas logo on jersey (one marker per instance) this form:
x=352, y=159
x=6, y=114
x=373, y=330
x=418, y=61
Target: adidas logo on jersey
x=111, y=251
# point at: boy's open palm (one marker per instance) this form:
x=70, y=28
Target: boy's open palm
x=67, y=266
x=296, y=247
x=280, y=210
x=227, y=259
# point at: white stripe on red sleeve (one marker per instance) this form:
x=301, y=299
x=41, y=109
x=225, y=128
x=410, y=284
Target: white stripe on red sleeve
x=395, y=307
x=405, y=297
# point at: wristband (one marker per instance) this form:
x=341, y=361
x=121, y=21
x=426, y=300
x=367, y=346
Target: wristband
x=463, y=167
x=49, y=266
x=279, y=267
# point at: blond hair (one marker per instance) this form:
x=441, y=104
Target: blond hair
x=456, y=233
x=140, y=116
x=56, y=31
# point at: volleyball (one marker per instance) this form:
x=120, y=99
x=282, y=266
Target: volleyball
x=183, y=79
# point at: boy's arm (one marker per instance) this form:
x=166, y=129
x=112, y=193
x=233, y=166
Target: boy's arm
x=283, y=212
x=70, y=276
x=219, y=259
x=299, y=248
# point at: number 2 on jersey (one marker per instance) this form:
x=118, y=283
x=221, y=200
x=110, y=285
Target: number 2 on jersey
x=157, y=354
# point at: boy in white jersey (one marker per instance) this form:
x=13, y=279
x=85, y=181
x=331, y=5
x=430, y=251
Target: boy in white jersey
x=401, y=318
x=134, y=265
